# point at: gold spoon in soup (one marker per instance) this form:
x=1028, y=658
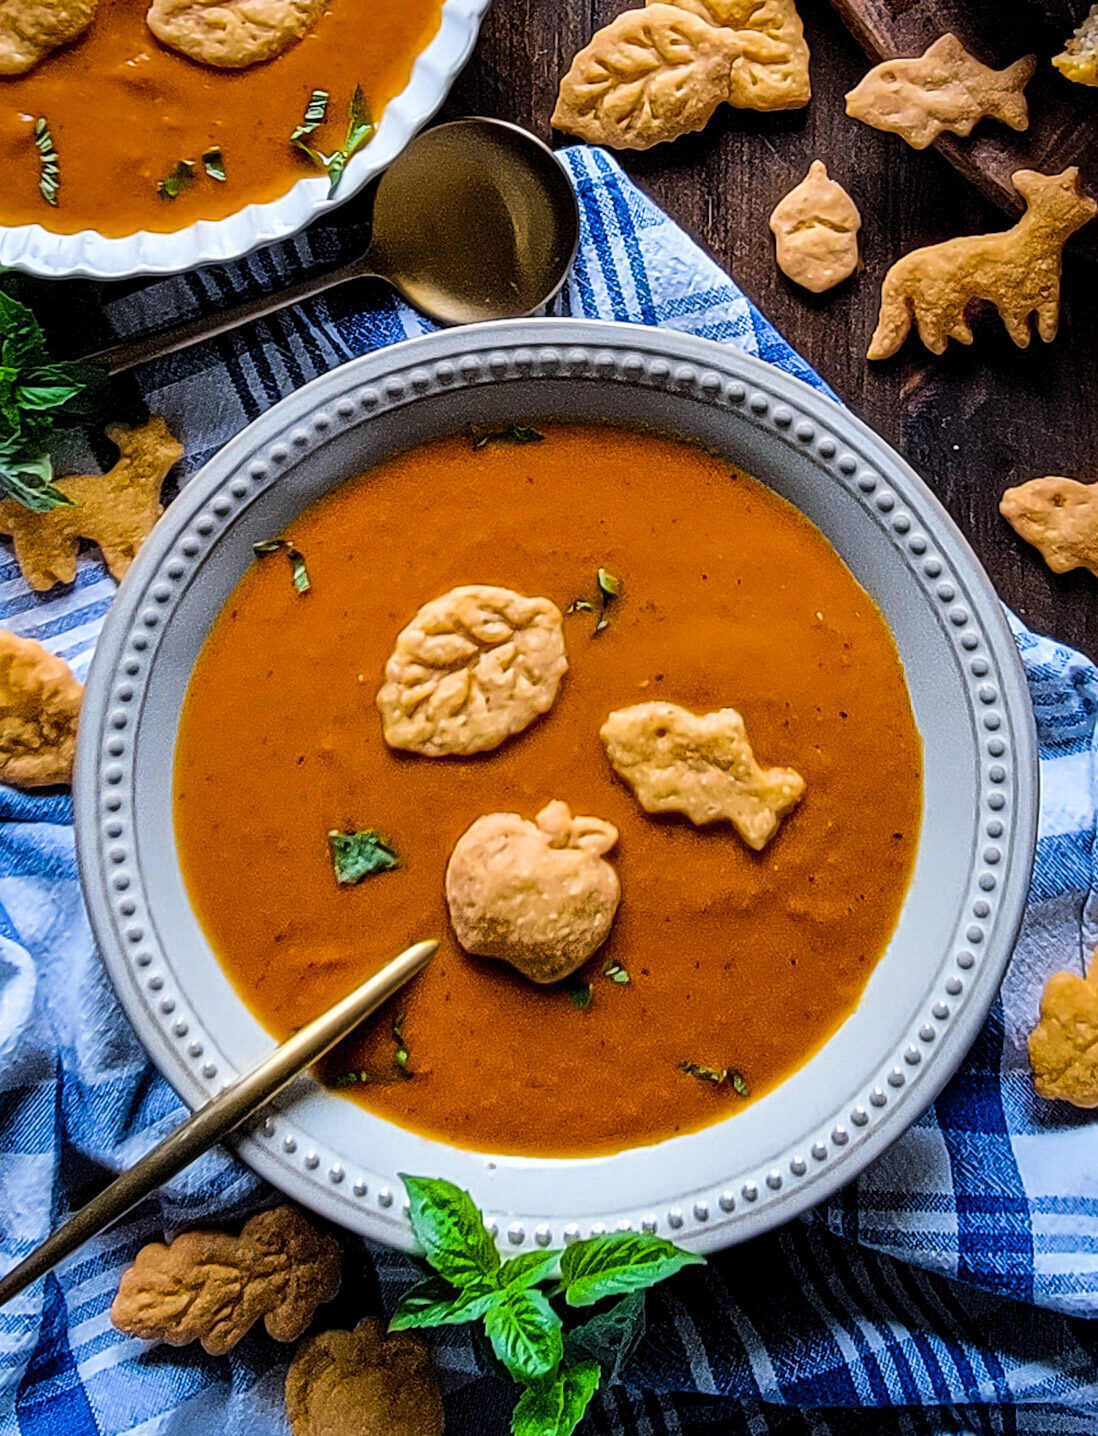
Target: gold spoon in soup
x=476, y=220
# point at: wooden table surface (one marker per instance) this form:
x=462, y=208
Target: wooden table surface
x=972, y=423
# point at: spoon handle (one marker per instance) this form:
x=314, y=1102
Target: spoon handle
x=239, y=1101
x=130, y=353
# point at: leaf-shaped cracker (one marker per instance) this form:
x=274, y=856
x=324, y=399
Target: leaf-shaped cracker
x=474, y=667
x=39, y=706
x=1059, y=517
x=1063, y=1047
x=116, y=510
x=775, y=81
x=678, y=762
x=210, y=1287
x=363, y=1383
x=649, y=76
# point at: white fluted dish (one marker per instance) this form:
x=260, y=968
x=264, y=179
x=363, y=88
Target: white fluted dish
x=90, y=255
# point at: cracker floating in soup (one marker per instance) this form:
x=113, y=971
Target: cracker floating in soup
x=677, y=762
x=538, y=895
x=472, y=669
x=228, y=36
x=30, y=29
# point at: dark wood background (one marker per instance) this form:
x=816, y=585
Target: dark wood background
x=973, y=422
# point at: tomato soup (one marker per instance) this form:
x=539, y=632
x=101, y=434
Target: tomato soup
x=123, y=110
x=736, y=960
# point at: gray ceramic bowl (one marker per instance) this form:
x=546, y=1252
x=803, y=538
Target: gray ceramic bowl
x=930, y=991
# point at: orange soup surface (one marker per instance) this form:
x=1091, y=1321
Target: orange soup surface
x=739, y=960
x=124, y=109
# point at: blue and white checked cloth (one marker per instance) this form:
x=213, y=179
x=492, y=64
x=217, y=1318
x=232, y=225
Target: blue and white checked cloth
x=947, y=1290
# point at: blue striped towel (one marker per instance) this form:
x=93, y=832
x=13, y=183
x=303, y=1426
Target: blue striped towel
x=946, y=1290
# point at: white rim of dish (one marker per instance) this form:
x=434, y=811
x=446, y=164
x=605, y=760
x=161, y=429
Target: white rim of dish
x=532, y=1202
x=89, y=255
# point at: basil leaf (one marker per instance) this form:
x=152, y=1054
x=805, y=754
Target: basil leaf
x=610, y=1337
x=518, y=434
x=49, y=178
x=450, y=1231
x=527, y=1270
x=609, y=586
x=360, y=855
x=213, y=162
x=704, y=1074
x=435, y=1302
x=360, y=130
x=739, y=1085
x=579, y=991
x=616, y=973
x=619, y=1263
x=173, y=185
x=525, y=1333
x=558, y=1409
x=315, y=112
x=298, y=570
x=29, y=482
x=45, y=396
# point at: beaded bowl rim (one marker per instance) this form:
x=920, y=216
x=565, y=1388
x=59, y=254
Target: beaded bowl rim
x=787, y=415
x=87, y=254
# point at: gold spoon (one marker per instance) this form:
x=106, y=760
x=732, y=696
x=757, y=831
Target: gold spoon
x=476, y=220
x=239, y=1101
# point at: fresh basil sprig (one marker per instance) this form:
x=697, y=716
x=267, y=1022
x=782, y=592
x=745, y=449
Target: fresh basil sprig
x=561, y=1370
x=37, y=396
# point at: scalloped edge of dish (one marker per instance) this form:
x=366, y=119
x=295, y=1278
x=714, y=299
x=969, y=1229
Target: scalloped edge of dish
x=32, y=249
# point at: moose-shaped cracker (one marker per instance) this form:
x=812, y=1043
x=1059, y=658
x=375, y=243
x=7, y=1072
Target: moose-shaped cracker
x=364, y=1383
x=1063, y=1047
x=1018, y=271
x=1059, y=517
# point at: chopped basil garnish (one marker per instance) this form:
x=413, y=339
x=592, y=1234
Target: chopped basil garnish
x=49, y=180
x=315, y=112
x=609, y=591
x=297, y=560
x=174, y=184
x=360, y=855
x=616, y=973
x=399, y=1073
x=214, y=162
x=718, y=1077
x=360, y=131
x=579, y=991
x=518, y=434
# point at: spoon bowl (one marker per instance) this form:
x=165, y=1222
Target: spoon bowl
x=476, y=220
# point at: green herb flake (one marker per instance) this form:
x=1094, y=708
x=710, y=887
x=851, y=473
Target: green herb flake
x=719, y=1077
x=580, y=605
x=616, y=973
x=315, y=112
x=173, y=185
x=609, y=586
x=360, y=855
x=298, y=570
x=517, y=434
x=609, y=591
x=49, y=179
x=579, y=991
x=401, y=1056
x=350, y=1079
x=214, y=162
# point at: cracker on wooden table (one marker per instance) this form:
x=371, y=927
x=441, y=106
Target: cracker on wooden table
x=40, y=702
x=816, y=228
x=363, y=1383
x=944, y=89
x=1017, y=270
x=1063, y=1047
x=1059, y=517
x=652, y=75
x=211, y=1287
x=116, y=510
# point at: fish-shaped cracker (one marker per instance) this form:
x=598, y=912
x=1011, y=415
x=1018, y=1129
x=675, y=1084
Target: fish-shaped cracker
x=945, y=89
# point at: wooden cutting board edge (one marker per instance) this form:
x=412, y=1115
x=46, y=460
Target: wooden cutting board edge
x=1059, y=138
